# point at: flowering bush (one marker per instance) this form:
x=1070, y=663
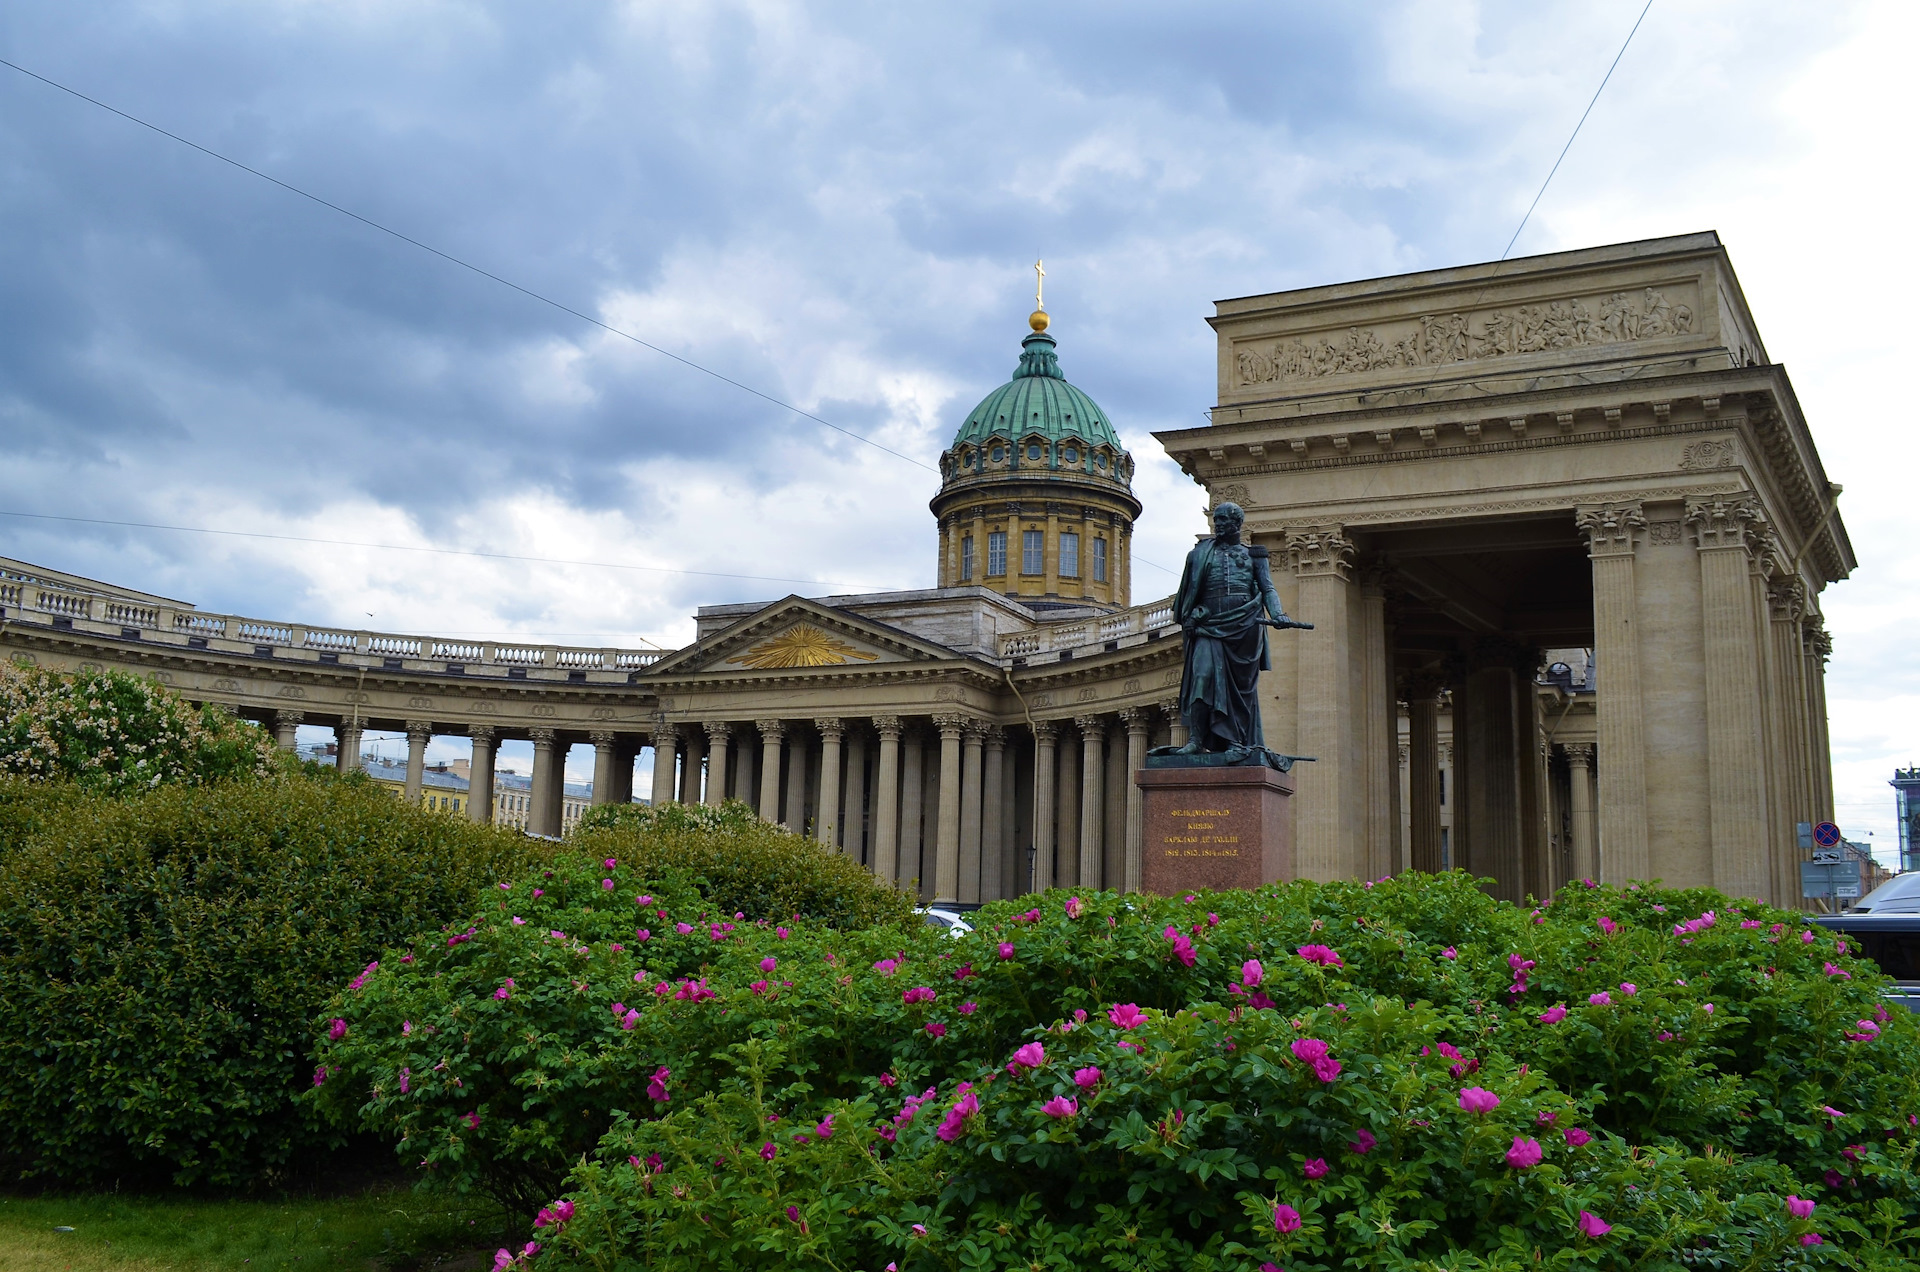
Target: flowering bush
x=116, y=732
x=1308, y=1076
x=161, y=956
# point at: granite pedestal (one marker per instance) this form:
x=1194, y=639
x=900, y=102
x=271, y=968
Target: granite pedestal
x=1214, y=827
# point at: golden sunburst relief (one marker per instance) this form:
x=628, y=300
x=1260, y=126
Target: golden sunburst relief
x=802, y=646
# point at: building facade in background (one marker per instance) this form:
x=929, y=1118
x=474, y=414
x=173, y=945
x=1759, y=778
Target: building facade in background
x=1559, y=523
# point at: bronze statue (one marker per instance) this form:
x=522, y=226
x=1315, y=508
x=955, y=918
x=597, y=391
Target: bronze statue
x=1224, y=606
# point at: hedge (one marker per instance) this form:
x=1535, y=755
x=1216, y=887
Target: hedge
x=161, y=955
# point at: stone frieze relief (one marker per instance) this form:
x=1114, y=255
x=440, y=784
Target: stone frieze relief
x=1440, y=339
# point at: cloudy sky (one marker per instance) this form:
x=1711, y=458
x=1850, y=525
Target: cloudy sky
x=839, y=206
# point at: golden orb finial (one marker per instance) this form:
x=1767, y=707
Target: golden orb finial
x=1037, y=320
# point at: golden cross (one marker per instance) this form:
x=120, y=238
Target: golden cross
x=1039, y=283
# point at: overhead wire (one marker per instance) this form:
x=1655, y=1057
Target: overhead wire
x=450, y=258
x=409, y=547
x=1576, y=130
x=464, y=264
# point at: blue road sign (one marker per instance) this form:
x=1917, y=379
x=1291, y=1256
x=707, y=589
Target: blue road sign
x=1827, y=835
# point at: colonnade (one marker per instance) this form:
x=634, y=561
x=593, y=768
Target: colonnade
x=972, y=809
x=615, y=753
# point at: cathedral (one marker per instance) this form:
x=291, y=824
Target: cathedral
x=1559, y=524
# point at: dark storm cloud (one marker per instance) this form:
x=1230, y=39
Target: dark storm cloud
x=773, y=192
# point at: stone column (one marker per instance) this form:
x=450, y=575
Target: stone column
x=1817, y=647
x=1423, y=773
x=286, y=725
x=1613, y=533
x=543, y=813
x=1329, y=812
x=693, y=750
x=853, y=807
x=946, y=867
x=1013, y=868
x=419, y=733
x=972, y=742
x=1379, y=728
x=1787, y=601
x=794, y=815
x=913, y=794
x=666, y=744
x=346, y=745
x=1139, y=721
x=1176, y=727
x=1093, y=771
x=1580, y=809
x=886, y=801
x=993, y=820
x=1051, y=552
x=1737, y=820
x=1066, y=806
x=603, y=759
x=719, y=733
x=1495, y=736
x=625, y=747
x=480, y=774
x=826, y=827
x=1044, y=784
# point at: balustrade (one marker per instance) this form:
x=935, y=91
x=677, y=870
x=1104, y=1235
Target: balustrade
x=1138, y=621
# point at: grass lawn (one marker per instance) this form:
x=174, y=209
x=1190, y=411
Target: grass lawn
x=378, y=1231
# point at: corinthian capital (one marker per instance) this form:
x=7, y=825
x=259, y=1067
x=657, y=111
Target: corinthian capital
x=1725, y=523
x=1611, y=529
x=1320, y=550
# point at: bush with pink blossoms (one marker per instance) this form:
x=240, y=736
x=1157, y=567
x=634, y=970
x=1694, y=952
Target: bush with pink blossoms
x=1195, y=1111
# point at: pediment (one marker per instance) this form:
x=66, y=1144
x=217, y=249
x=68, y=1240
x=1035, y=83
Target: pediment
x=796, y=636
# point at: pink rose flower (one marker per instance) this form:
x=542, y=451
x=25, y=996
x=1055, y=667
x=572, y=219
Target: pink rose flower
x=1088, y=1078
x=1478, y=1100
x=936, y=1029
x=1601, y=999
x=1315, y=1168
x=1576, y=1137
x=1553, y=1015
x=1363, y=1143
x=1060, y=1106
x=657, y=1085
x=1449, y=953
x=1799, y=1207
x=1286, y=1219
x=918, y=994
x=1126, y=1015
x=1031, y=1056
x=1074, y=907
x=1006, y=949
x=1592, y=1226
x=1251, y=973
x=1320, y=954
x=1525, y=1153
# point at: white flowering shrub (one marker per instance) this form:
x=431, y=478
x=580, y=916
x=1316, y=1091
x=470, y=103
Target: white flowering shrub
x=118, y=733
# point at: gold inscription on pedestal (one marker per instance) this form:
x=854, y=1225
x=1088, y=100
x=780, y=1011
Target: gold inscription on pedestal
x=1209, y=844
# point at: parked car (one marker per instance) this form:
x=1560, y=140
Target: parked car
x=952, y=920
x=1898, y=895
x=1888, y=936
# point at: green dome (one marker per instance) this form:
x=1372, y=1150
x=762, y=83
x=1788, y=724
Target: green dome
x=1038, y=400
